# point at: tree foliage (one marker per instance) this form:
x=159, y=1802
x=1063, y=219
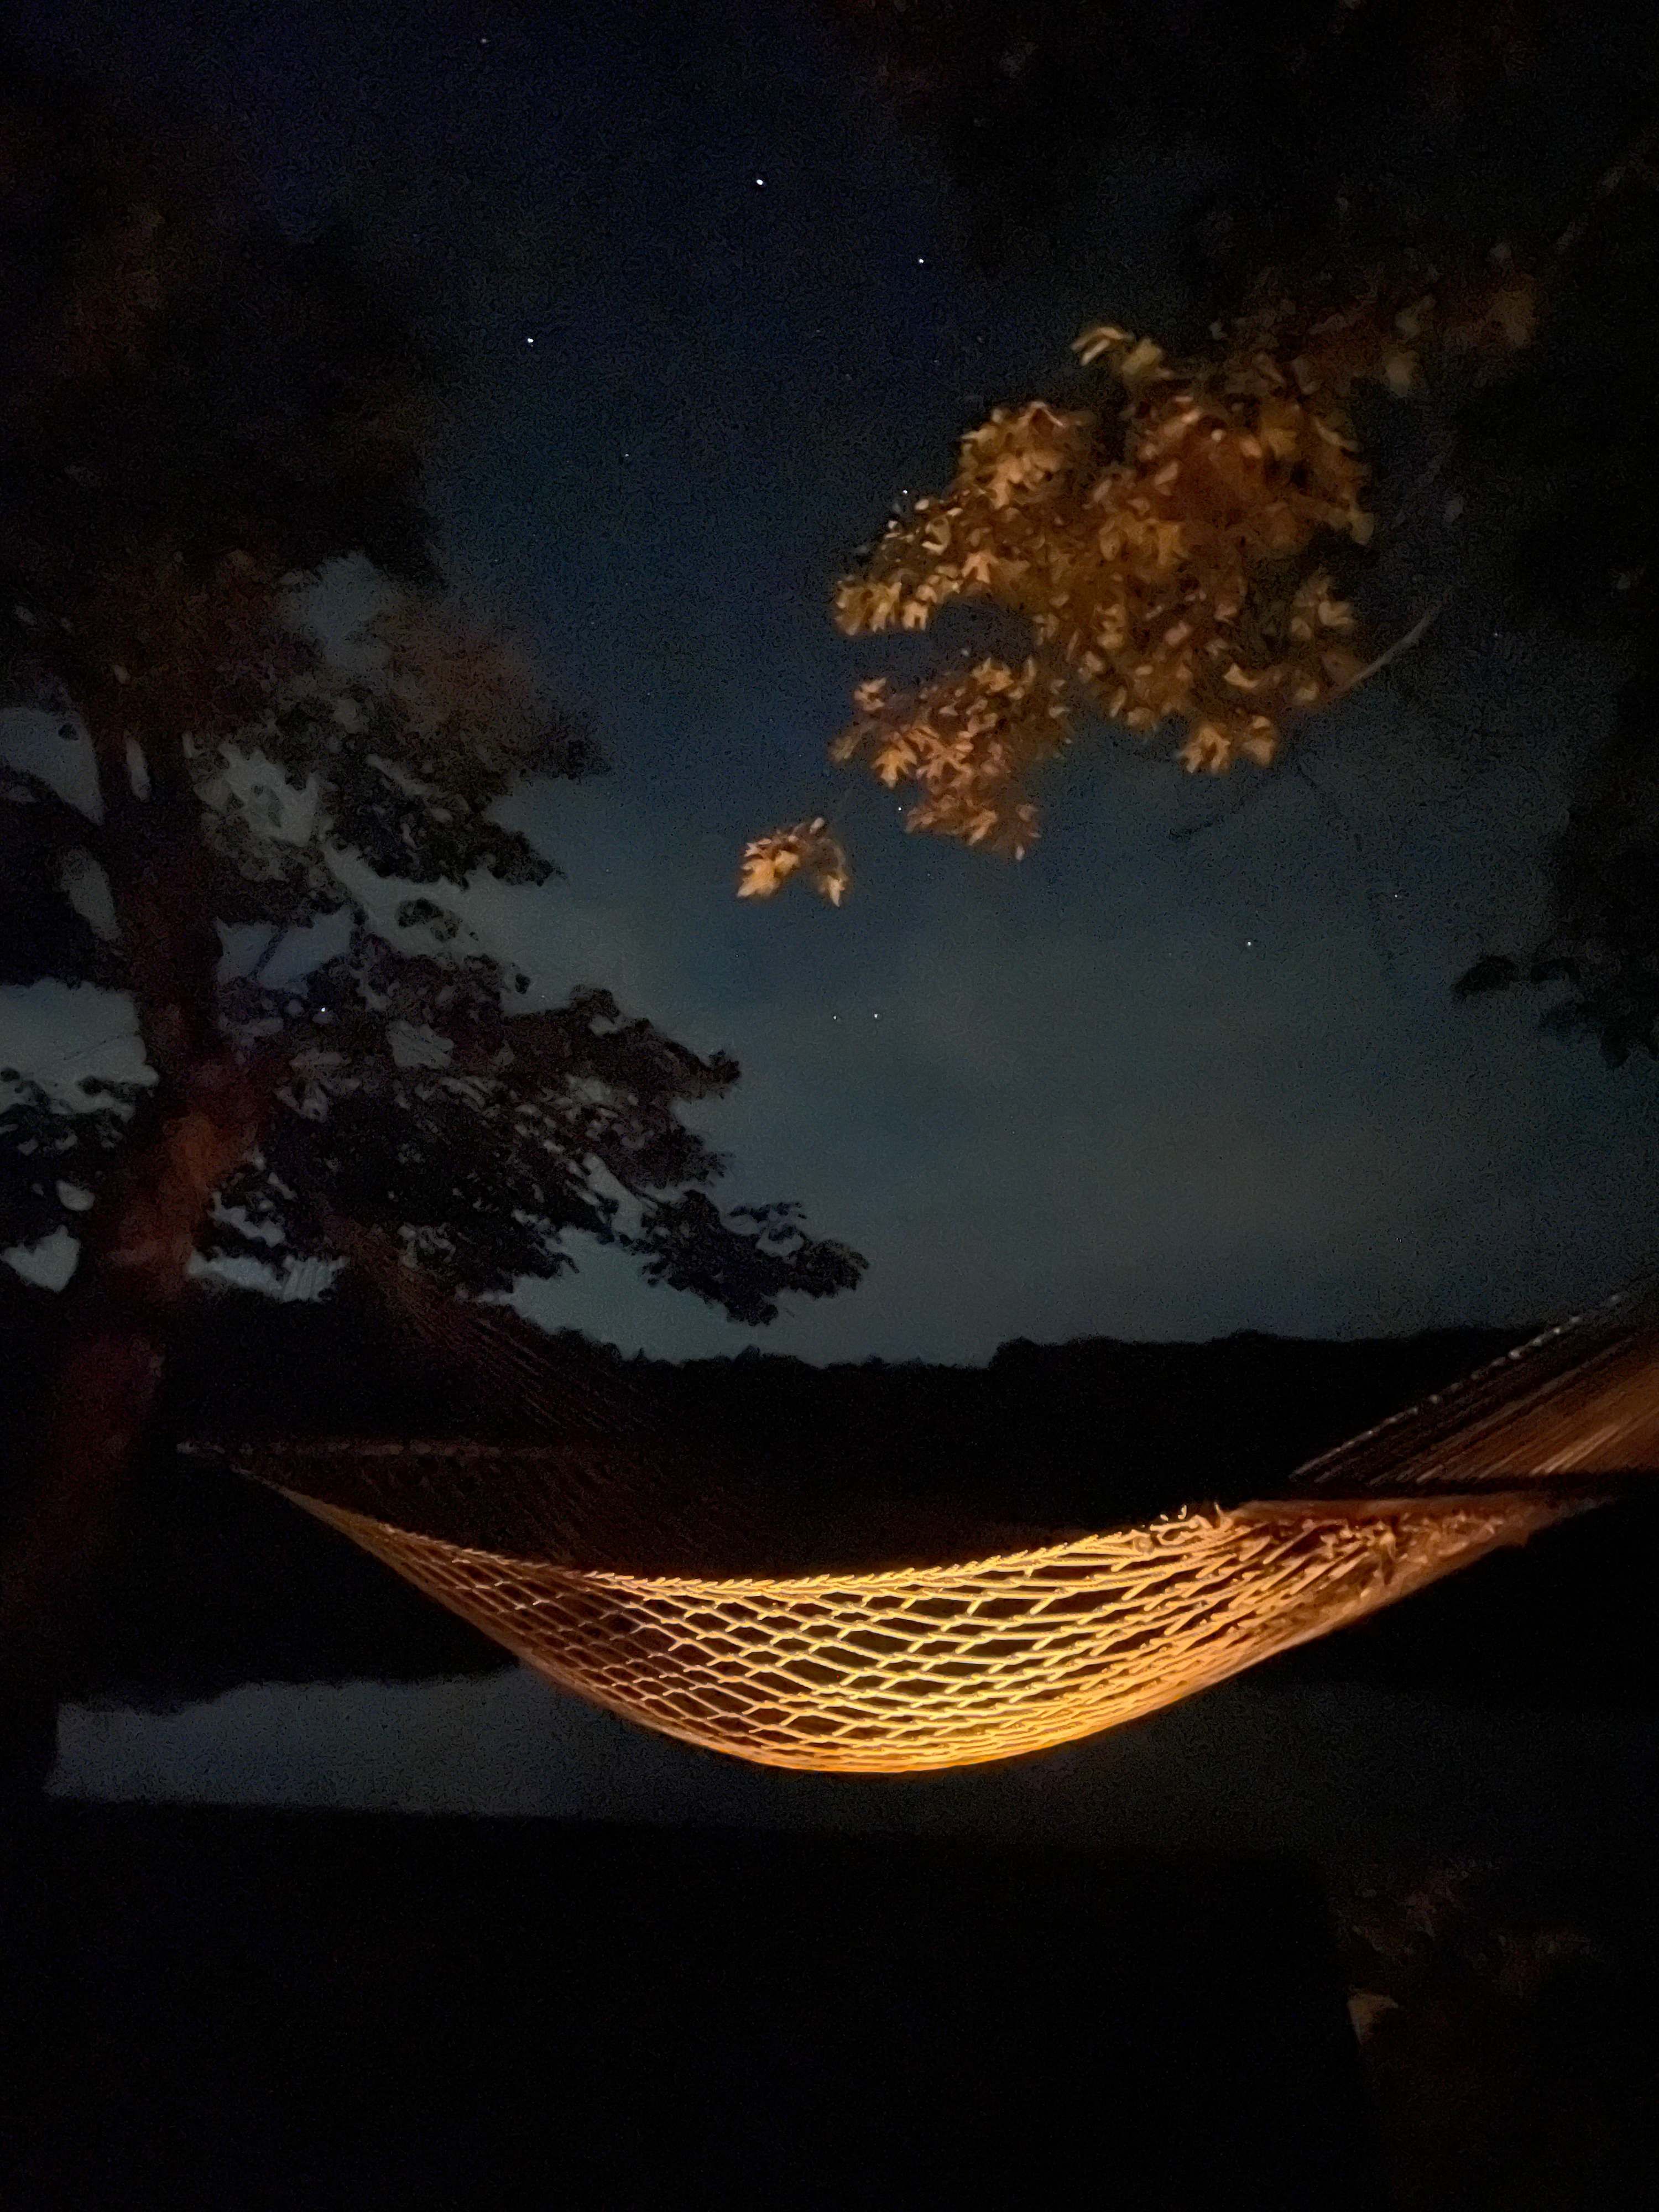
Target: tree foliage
x=204, y=419
x=1583, y=422
x=1020, y=98
x=1169, y=558
x=1331, y=129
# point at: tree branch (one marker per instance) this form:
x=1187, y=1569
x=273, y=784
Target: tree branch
x=1421, y=483
x=1332, y=807
x=281, y=932
x=62, y=823
x=1403, y=644
x=1263, y=782
x=1634, y=162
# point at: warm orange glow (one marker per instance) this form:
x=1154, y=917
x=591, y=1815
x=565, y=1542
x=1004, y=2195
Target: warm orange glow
x=901, y=1669
x=702, y=1610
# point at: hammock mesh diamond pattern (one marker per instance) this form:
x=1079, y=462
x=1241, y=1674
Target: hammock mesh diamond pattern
x=674, y=1604
x=913, y=1667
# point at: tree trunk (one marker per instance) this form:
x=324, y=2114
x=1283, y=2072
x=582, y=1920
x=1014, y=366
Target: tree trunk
x=133, y=1269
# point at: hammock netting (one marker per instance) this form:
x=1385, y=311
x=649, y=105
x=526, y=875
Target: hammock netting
x=641, y=1568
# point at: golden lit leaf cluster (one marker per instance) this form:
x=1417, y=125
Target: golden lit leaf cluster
x=1166, y=555
x=808, y=848
x=970, y=740
x=1153, y=559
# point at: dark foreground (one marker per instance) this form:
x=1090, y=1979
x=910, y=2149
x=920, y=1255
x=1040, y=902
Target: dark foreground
x=293, y=2009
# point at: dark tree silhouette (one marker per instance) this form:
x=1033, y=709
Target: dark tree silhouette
x=1584, y=424
x=201, y=416
x=1022, y=97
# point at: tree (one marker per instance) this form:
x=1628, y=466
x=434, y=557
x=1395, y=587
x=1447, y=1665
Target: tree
x=202, y=417
x=1584, y=420
x=1403, y=409
x=1170, y=559
x=1021, y=98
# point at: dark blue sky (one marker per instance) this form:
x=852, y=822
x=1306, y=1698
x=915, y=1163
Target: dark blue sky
x=708, y=315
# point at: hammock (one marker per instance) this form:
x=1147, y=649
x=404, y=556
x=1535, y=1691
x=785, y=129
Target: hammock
x=627, y=1565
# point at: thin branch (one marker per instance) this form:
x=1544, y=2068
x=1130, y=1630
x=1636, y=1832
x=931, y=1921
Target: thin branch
x=279, y=935
x=1634, y=162
x=1390, y=653
x=1393, y=652
x=1420, y=483
x=1338, y=813
x=63, y=1060
x=62, y=822
x=1495, y=735
x=1264, y=783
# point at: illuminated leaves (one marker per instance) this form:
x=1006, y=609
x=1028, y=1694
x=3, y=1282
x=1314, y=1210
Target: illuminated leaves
x=807, y=847
x=1137, y=559
x=1161, y=555
x=970, y=741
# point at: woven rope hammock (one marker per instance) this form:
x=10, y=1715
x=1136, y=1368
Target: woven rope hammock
x=683, y=1598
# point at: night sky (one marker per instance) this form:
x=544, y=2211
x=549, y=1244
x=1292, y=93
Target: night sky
x=709, y=313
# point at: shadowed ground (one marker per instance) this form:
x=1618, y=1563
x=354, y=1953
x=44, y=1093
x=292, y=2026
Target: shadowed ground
x=277, y=2010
